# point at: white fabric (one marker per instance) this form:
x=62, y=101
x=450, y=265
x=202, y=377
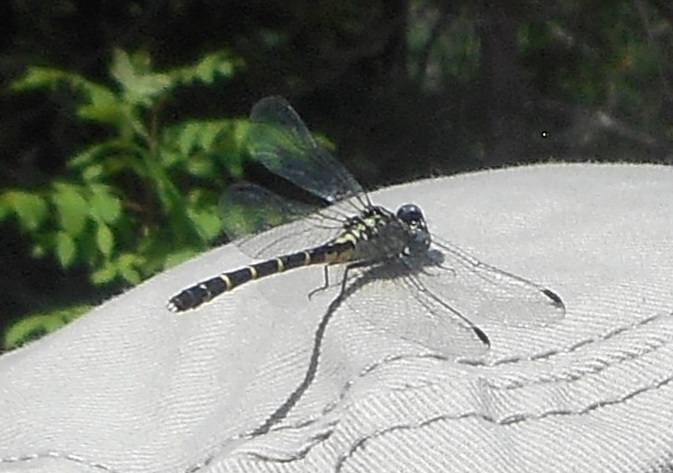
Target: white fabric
x=131, y=387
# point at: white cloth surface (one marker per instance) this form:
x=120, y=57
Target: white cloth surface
x=131, y=387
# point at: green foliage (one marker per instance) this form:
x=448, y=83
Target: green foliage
x=120, y=210
x=37, y=325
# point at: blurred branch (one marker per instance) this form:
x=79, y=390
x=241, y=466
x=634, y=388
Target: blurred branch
x=667, y=13
x=585, y=123
x=435, y=31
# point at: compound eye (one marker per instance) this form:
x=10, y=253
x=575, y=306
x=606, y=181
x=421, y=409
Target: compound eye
x=410, y=213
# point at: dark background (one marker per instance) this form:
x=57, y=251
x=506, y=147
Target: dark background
x=405, y=88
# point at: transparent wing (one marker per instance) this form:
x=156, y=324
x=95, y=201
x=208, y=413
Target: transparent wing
x=438, y=299
x=279, y=140
x=390, y=298
x=481, y=292
x=266, y=225
x=247, y=208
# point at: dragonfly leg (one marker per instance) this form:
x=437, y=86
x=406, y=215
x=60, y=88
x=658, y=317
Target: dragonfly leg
x=324, y=286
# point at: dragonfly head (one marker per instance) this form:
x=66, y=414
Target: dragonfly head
x=419, y=237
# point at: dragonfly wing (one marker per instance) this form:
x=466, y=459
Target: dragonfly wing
x=247, y=208
x=389, y=298
x=485, y=293
x=266, y=225
x=279, y=140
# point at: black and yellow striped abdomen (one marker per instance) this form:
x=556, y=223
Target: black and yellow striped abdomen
x=337, y=251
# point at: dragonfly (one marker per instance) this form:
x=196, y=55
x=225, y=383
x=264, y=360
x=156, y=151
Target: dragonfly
x=419, y=287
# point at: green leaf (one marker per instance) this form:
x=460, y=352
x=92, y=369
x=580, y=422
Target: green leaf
x=89, y=155
x=170, y=157
x=208, y=69
x=72, y=208
x=213, y=65
x=139, y=84
x=30, y=208
x=105, y=205
x=104, y=274
x=103, y=106
x=122, y=68
x=39, y=78
x=127, y=265
x=93, y=172
x=38, y=251
x=104, y=239
x=146, y=89
x=208, y=224
x=36, y=325
x=189, y=137
x=65, y=249
x=100, y=104
x=200, y=135
x=207, y=143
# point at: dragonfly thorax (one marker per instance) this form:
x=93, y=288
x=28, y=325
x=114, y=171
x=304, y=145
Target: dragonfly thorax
x=379, y=234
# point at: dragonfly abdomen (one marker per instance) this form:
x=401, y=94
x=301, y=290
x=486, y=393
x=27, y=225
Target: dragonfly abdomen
x=338, y=251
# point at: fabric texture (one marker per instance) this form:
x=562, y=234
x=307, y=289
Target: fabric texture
x=238, y=386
